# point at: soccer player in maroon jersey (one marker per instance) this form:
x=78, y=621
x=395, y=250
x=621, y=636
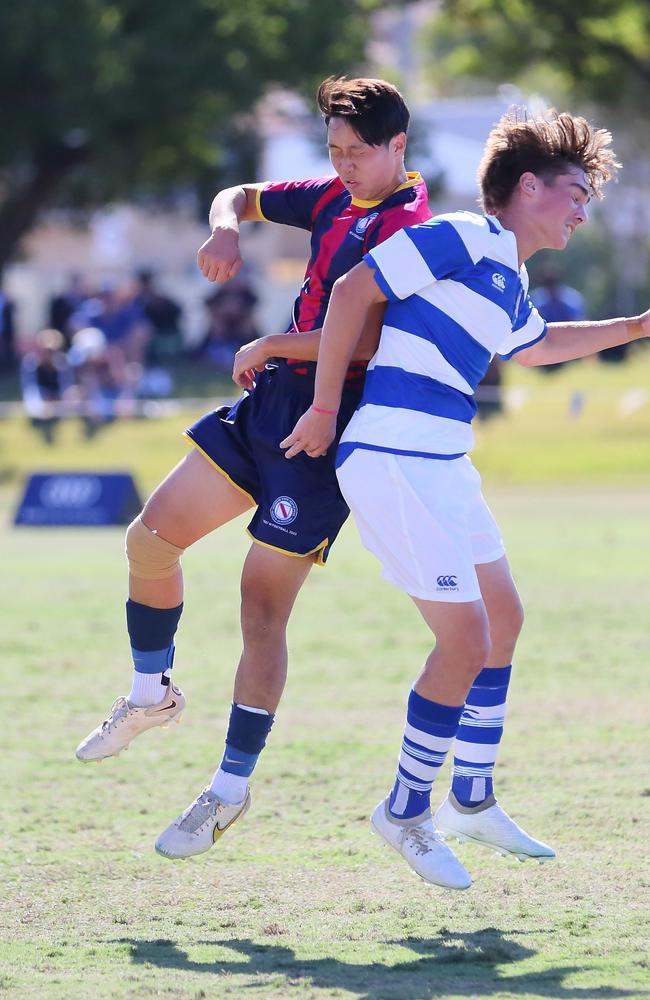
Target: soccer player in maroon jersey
x=236, y=464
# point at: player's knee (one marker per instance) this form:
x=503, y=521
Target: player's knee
x=150, y=557
x=505, y=630
x=264, y=612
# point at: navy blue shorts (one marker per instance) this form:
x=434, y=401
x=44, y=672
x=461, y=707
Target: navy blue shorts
x=300, y=509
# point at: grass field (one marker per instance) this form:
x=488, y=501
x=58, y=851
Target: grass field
x=299, y=900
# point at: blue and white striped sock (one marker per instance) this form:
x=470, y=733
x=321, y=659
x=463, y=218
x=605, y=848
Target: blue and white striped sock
x=428, y=734
x=479, y=735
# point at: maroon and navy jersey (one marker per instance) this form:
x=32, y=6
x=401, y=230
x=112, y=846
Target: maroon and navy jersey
x=342, y=229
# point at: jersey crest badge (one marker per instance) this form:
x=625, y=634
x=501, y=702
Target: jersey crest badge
x=364, y=223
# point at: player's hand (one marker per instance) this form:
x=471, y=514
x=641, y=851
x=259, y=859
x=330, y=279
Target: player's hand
x=313, y=434
x=249, y=359
x=219, y=258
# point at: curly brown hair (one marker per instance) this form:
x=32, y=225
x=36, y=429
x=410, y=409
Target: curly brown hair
x=545, y=145
x=375, y=109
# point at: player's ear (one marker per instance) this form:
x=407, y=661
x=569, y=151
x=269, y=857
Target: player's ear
x=398, y=143
x=528, y=182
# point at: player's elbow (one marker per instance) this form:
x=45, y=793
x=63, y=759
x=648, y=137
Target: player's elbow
x=530, y=357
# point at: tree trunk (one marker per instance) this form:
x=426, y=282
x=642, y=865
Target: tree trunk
x=27, y=200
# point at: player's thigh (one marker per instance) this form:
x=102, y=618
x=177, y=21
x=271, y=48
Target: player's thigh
x=270, y=583
x=193, y=500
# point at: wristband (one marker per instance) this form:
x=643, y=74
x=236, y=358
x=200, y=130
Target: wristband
x=328, y=413
x=634, y=329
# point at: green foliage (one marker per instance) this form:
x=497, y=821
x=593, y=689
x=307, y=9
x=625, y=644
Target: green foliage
x=136, y=94
x=597, y=50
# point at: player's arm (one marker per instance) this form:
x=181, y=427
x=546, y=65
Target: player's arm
x=567, y=341
x=219, y=258
x=303, y=346
x=353, y=297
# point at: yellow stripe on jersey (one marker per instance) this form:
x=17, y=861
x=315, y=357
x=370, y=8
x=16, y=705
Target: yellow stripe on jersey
x=413, y=177
x=317, y=551
x=258, y=205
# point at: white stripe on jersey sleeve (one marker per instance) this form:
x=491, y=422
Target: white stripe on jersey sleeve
x=401, y=265
x=531, y=331
x=398, y=349
x=394, y=429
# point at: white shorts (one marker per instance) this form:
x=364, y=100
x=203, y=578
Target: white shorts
x=425, y=519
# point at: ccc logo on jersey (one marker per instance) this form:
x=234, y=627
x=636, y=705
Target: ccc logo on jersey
x=284, y=510
x=447, y=582
x=499, y=281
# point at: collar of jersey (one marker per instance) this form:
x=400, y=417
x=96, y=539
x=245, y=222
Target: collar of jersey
x=506, y=233
x=412, y=177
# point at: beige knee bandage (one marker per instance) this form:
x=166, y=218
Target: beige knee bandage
x=150, y=556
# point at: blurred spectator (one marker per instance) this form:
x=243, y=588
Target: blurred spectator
x=557, y=303
x=64, y=307
x=106, y=384
x=231, y=323
x=7, y=332
x=164, y=317
x=122, y=320
x=46, y=381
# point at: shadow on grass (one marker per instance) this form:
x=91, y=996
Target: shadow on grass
x=450, y=962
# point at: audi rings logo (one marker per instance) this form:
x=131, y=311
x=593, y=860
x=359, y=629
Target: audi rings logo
x=284, y=510
x=70, y=491
x=447, y=582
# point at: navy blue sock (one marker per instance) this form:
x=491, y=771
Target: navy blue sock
x=245, y=740
x=151, y=631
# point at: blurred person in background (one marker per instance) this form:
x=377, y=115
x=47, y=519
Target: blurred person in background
x=105, y=383
x=46, y=382
x=68, y=303
x=231, y=324
x=164, y=316
x=7, y=332
x=123, y=320
x=236, y=464
x=557, y=303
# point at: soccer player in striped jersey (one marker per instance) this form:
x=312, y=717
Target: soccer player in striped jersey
x=236, y=464
x=456, y=290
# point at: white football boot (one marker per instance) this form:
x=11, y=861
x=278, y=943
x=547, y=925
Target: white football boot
x=200, y=825
x=422, y=848
x=491, y=827
x=127, y=721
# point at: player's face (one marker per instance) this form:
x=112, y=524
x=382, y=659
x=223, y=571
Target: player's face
x=562, y=207
x=370, y=173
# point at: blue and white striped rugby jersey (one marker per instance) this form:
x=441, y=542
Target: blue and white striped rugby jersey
x=456, y=297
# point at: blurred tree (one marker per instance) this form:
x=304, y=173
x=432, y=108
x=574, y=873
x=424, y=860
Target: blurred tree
x=103, y=98
x=597, y=50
